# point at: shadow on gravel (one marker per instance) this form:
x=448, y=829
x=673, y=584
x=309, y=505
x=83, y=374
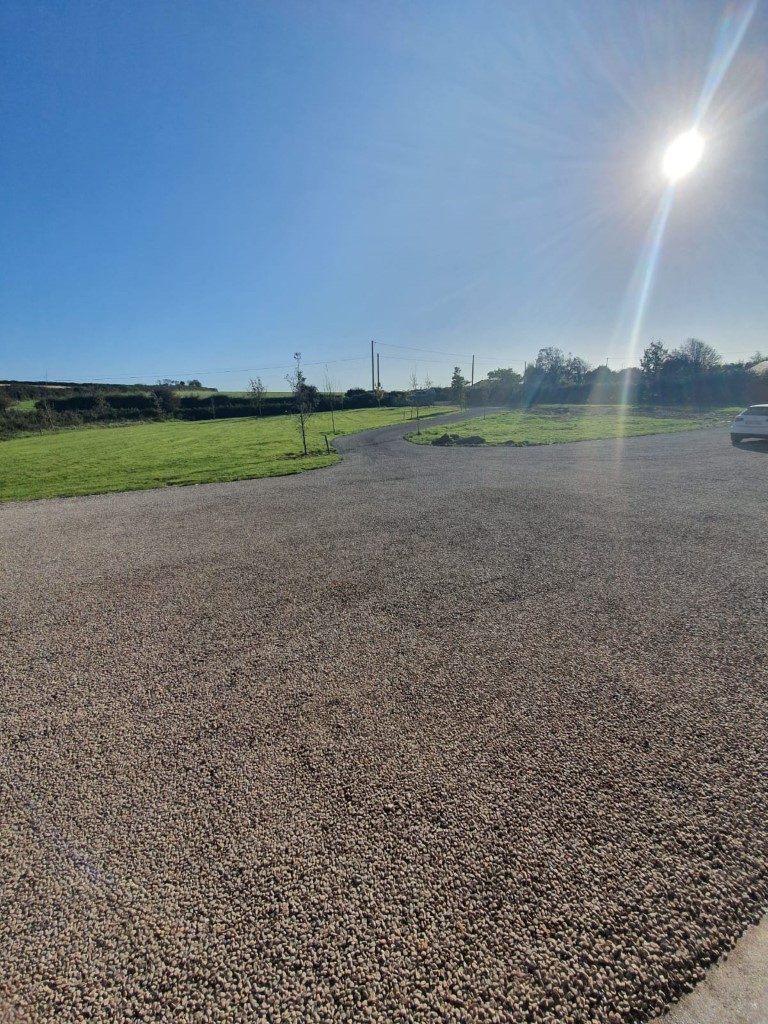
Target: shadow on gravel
x=754, y=446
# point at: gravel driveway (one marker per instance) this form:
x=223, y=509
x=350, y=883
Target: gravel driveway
x=431, y=735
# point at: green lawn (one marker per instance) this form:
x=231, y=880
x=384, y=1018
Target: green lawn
x=553, y=424
x=92, y=460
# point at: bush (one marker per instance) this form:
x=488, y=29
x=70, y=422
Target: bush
x=166, y=398
x=449, y=440
x=14, y=421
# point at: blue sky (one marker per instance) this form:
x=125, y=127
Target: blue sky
x=195, y=187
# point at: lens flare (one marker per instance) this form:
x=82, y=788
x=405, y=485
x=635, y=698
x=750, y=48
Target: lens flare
x=683, y=154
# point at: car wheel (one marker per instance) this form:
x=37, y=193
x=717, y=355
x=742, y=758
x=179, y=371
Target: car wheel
x=737, y=438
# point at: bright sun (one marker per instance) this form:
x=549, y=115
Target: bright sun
x=683, y=154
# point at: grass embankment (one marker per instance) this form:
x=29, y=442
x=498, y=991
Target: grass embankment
x=94, y=460
x=556, y=424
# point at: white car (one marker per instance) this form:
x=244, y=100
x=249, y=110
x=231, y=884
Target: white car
x=753, y=422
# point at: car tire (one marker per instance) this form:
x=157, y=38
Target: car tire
x=737, y=438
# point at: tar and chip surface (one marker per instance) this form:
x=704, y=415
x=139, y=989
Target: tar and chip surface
x=434, y=735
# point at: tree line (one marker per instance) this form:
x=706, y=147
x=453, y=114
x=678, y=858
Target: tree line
x=30, y=406
x=694, y=373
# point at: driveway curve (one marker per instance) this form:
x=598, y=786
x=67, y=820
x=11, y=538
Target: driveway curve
x=430, y=735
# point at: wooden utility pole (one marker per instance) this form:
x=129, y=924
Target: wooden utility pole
x=373, y=372
x=472, y=375
x=378, y=372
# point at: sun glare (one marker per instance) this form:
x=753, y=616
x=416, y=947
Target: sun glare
x=683, y=154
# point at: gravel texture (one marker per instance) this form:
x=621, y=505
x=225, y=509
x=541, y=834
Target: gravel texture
x=433, y=735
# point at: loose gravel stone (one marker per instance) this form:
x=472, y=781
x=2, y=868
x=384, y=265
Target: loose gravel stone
x=433, y=735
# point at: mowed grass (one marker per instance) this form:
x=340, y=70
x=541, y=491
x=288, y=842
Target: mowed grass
x=557, y=424
x=95, y=460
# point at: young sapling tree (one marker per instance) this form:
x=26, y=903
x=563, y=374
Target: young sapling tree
x=257, y=391
x=304, y=399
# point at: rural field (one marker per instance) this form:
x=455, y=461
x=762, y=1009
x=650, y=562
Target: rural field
x=447, y=707
x=557, y=424
x=96, y=460
x=478, y=738
x=125, y=458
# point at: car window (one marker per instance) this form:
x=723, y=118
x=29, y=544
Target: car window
x=757, y=410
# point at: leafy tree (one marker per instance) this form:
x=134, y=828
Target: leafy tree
x=550, y=363
x=502, y=385
x=698, y=354
x=505, y=375
x=601, y=374
x=257, y=391
x=304, y=399
x=652, y=363
x=575, y=369
x=459, y=386
x=653, y=359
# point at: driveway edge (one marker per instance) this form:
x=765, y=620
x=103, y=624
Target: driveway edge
x=734, y=991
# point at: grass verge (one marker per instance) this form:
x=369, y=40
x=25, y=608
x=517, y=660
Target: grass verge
x=557, y=424
x=95, y=460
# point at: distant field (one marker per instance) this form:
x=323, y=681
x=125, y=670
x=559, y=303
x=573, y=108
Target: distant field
x=28, y=404
x=208, y=393
x=60, y=392
x=93, y=460
x=554, y=424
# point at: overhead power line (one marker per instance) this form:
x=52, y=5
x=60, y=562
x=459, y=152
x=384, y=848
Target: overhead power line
x=452, y=355
x=234, y=369
x=208, y=372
